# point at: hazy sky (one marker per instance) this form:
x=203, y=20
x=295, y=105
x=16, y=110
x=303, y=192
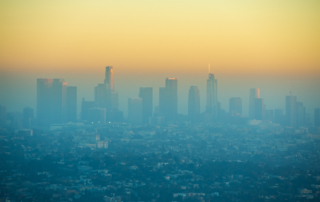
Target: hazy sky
x=249, y=43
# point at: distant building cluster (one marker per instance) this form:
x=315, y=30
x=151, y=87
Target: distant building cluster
x=57, y=104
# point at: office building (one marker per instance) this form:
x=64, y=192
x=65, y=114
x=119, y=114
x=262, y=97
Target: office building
x=85, y=106
x=212, y=98
x=97, y=115
x=300, y=115
x=106, y=97
x=235, y=106
x=194, y=104
x=146, y=95
x=71, y=104
x=135, y=111
x=291, y=117
x=168, y=99
x=51, y=101
x=258, y=109
x=254, y=93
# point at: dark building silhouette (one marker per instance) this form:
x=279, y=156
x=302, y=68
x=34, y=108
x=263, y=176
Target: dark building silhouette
x=135, y=111
x=291, y=117
x=85, y=106
x=168, y=99
x=28, y=117
x=52, y=99
x=51, y=94
x=235, y=106
x=71, y=104
x=106, y=97
x=300, y=114
x=97, y=115
x=258, y=109
x=254, y=93
x=146, y=95
x=317, y=117
x=212, y=99
x=194, y=104
x=3, y=115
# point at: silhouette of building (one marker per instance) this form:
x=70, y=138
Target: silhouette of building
x=317, y=117
x=146, y=95
x=27, y=117
x=194, y=104
x=235, y=106
x=85, y=106
x=212, y=98
x=300, y=114
x=106, y=97
x=52, y=100
x=51, y=94
x=97, y=115
x=258, y=109
x=135, y=111
x=3, y=115
x=291, y=117
x=168, y=99
x=71, y=104
x=254, y=93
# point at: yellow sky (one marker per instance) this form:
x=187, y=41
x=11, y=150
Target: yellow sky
x=247, y=36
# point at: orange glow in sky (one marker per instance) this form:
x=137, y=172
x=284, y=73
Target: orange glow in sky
x=248, y=36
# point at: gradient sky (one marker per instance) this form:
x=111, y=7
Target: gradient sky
x=249, y=43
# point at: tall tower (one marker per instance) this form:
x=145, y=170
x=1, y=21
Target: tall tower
x=168, y=99
x=212, y=96
x=108, y=81
x=194, y=104
x=106, y=97
x=291, y=118
x=147, y=103
x=254, y=93
x=52, y=98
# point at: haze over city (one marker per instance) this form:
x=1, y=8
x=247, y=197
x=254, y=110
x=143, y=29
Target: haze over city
x=159, y=100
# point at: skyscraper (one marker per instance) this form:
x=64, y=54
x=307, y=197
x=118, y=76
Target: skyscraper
x=105, y=96
x=108, y=81
x=135, y=110
x=51, y=94
x=212, y=97
x=291, y=117
x=71, y=104
x=85, y=106
x=52, y=101
x=194, y=104
x=317, y=117
x=258, y=109
x=168, y=99
x=300, y=114
x=147, y=103
x=235, y=106
x=254, y=93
